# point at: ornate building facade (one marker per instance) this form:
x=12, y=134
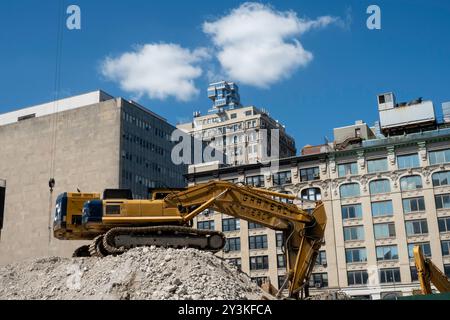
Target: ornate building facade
x=382, y=196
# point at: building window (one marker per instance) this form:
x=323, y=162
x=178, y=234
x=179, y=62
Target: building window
x=259, y=281
x=205, y=225
x=411, y=183
x=416, y=227
x=355, y=255
x=382, y=208
x=445, y=244
x=318, y=280
x=2, y=202
x=413, y=205
x=414, y=275
x=349, y=190
x=408, y=161
x=379, y=186
x=312, y=194
x=231, y=224
x=387, y=253
x=309, y=174
x=235, y=262
x=321, y=259
x=285, y=200
x=232, y=244
x=282, y=178
x=233, y=116
x=280, y=239
x=256, y=181
x=257, y=242
x=377, y=165
x=353, y=233
x=259, y=263
x=281, y=261
x=281, y=281
x=346, y=169
x=425, y=246
x=440, y=156
x=447, y=270
x=352, y=211
x=384, y=230
x=442, y=201
x=390, y=275
x=355, y=278
x=444, y=224
x=253, y=225
x=441, y=178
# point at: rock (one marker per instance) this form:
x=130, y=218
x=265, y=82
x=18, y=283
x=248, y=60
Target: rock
x=171, y=288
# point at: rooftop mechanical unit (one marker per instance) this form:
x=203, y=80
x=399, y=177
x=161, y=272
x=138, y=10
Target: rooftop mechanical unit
x=406, y=117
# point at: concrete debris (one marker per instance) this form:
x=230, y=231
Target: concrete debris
x=330, y=295
x=139, y=274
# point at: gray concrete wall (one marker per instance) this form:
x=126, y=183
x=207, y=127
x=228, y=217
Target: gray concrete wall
x=86, y=157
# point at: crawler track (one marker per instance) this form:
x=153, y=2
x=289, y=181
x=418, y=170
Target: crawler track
x=118, y=240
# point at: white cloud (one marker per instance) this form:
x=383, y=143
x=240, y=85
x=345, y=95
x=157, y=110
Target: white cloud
x=157, y=70
x=258, y=45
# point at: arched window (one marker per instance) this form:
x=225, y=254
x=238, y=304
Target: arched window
x=380, y=186
x=411, y=183
x=441, y=178
x=312, y=194
x=349, y=190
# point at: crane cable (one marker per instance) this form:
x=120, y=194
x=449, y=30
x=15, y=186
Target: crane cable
x=54, y=116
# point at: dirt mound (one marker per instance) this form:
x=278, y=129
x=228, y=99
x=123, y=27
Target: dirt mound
x=141, y=273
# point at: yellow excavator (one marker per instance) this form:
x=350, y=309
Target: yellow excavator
x=117, y=222
x=428, y=273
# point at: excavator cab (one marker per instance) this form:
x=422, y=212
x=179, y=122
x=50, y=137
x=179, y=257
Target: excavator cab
x=60, y=216
x=67, y=220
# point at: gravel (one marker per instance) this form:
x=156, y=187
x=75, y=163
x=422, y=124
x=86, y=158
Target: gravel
x=139, y=274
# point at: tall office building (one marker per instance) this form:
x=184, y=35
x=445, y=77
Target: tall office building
x=236, y=131
x=89, y=142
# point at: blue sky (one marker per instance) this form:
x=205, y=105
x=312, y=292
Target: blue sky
x=350, y=64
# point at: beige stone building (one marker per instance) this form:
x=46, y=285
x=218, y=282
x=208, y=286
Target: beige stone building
x=95, y=141
x=382, y=195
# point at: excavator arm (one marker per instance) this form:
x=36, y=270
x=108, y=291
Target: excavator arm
x=429, y=274
x=303, y=232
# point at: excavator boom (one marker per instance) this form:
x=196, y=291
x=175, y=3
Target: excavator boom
x=304, y=232
x=429, y=274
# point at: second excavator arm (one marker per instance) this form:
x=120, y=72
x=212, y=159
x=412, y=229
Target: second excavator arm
x=304, y=232
x=428, y=273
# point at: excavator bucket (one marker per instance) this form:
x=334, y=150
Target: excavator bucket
x=270, y=291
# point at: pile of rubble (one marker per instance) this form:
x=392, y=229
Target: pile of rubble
x=141, y=273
